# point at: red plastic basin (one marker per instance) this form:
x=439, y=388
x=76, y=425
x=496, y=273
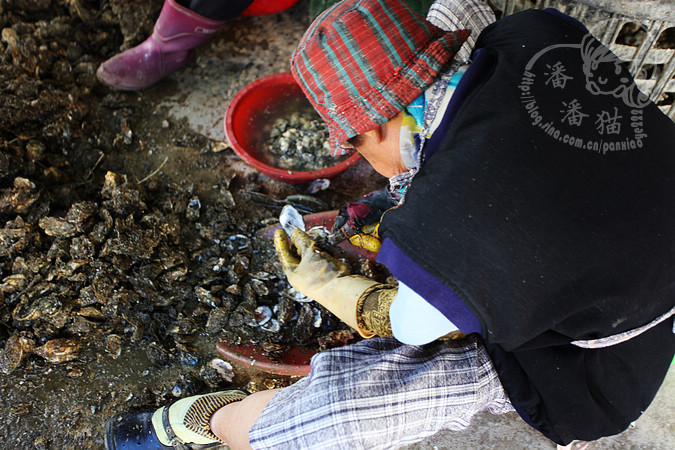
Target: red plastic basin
x=258, y=105
x=294, y=362
x=262, y=7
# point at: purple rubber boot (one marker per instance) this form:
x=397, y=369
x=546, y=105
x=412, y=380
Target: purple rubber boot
x=177, y=31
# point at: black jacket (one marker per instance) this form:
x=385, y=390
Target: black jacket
x=551, y=237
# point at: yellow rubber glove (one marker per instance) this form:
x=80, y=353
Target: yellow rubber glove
x=321, y=277
x=369, y=239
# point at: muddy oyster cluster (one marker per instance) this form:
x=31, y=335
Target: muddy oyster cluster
x=299, y=142
x=138, y=267
x=275, y=317
x=115, y=288
x=259, y=306
x=49, y=53
x=94, y=275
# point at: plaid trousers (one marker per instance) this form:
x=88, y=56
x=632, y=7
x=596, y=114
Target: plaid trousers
x=381, y=394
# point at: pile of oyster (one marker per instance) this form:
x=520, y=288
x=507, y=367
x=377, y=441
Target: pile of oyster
x=96, y=275
x=137, y=265
x=114, y=291
x=299, y=142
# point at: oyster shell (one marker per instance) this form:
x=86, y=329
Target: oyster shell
x=285, y=310
x=20, y=198
x=91, y=312
x=16, y=349
x=157, y=355
x=272, y=326
x=259, y=287
x=335, y=339
x=297, y=296
x=223, y=368
x=13, y=283
x=14, y=237
x=40, y=308
x=59, y=350
x=320, y=184
x=217, y=321
x=206, y=297
x=261, y=316
x=119, y=196
x=113, y=344
x=75, y=222
x=291, y=219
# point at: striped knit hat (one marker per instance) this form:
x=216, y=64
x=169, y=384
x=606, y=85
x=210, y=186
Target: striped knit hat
x=362, y=61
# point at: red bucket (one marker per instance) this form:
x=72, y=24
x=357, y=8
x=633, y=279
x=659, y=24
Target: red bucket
x=258, y=104
x=262, y=7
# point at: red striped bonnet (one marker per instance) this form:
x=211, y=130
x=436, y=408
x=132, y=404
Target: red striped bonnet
x=362, y=61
